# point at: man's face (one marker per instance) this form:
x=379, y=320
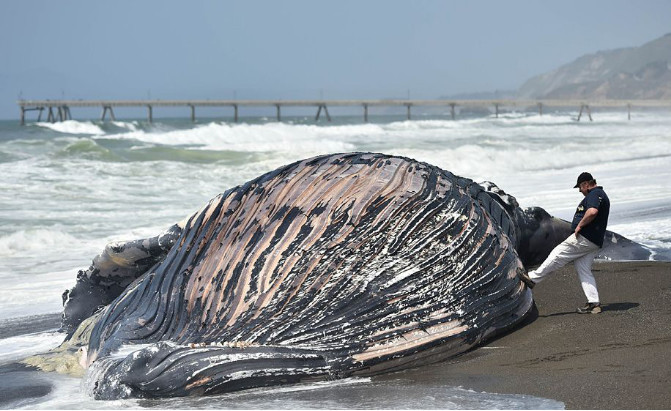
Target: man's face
x=584, y=187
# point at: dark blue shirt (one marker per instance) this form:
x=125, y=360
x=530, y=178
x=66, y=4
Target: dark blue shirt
x=596, y=230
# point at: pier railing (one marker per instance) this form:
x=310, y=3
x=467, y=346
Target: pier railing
x=59, y=110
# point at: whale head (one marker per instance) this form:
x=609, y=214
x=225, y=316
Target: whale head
x=539, y=234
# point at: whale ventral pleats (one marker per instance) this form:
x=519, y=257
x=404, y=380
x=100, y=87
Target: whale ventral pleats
x=344, y=264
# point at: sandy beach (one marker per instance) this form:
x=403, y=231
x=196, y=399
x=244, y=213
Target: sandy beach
x=619, y=359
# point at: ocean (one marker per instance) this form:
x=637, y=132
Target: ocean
x=69, y=188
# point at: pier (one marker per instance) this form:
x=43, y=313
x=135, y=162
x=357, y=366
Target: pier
x=59, y=110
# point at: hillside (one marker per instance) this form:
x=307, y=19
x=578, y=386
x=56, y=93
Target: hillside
x=629, y=73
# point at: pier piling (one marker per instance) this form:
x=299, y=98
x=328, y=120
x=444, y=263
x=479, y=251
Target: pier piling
x=326, y=112
x=107, y=109
x=23, y=113
x=62, y=113
x=587, y=109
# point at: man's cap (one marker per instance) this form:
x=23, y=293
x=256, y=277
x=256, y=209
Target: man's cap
x=584, y=176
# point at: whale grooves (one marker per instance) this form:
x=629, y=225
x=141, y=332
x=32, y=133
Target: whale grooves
x=335, y=266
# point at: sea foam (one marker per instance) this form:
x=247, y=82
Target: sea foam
x=74, y=127
x=35, y=241
x=271, y=137
x=21, y=346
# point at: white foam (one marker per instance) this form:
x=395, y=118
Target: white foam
x=35, y=240
x=22, y=346
x=272, y=137
x=655, y=233
x=351, y=393
x=522, y=144
x=132, y=126
x=74, y=127
x=361, y=393
x=68, y=394
x=25, y=295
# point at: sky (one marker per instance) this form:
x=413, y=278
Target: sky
x=256, y=49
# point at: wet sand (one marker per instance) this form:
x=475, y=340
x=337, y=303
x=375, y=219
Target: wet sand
x=619, y=359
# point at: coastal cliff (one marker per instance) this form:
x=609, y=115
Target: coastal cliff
x=628, y=73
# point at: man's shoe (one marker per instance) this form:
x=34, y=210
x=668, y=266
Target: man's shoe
x=525, y=278
x=590, y=308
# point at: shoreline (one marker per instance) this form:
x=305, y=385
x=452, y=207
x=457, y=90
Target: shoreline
x=619, y=359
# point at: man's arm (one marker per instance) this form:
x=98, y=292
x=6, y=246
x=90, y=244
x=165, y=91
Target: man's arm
x=589, y=216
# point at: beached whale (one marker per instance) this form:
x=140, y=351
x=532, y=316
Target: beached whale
x=339, y=265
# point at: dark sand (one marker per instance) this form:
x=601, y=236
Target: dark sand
x=619, y=359
x=19, y=383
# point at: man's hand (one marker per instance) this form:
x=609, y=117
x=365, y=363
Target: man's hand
x=589, y=216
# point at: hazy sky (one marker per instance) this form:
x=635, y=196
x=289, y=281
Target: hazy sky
x=301, y=49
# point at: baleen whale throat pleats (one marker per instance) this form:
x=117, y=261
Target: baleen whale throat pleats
x=333, y=266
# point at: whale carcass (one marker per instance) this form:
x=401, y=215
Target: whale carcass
x=338, y=265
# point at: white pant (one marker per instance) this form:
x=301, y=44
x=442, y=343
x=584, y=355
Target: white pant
x=582, y=252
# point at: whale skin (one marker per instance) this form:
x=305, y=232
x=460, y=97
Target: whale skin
x=334, y=266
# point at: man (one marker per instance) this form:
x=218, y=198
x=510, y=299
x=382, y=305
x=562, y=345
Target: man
x=589, y=229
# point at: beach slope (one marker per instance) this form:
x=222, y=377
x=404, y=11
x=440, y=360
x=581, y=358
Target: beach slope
x=619, y=359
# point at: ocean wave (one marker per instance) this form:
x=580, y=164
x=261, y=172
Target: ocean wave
x=530, y=131
x=132, y=126
x=273, y=137
x=88, y=149
x=8, y=157
x=189, y=155
x=491, y=160
x=73, y=127
x=476, y=148
x=35, y=240
x=655, y=233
